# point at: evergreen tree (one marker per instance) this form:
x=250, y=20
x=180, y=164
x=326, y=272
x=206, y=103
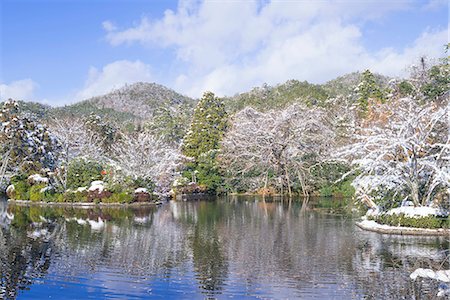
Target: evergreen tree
x=25, y=145
x=207, y=127
x=202, y=141
x=104, y=130
x=368, y=89
x=171, y=123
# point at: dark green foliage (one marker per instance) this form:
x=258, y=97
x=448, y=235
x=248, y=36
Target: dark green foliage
x=207, y=128
x=171, y=123
x=106, y=131
x=431, y=222
x=122, y=197
x=208, y=171
x=266, y=97
x=405, y=88
x=202, y=141
x=28, y=144
x=326, y=178
x=368, y=89
x=439, y=82
x=85, y=108
x=141, y=182
x=82, y=172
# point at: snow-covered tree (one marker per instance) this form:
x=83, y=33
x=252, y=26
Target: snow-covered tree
x=403, y=152
x=76, y=141
x=280, y=146
x=146, y=156
x=25, y=145
x=103, y=130
x=171, y=122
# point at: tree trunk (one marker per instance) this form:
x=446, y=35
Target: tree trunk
x=288, y=183
x=302, y=183
x=4, y=167
x=414, y=180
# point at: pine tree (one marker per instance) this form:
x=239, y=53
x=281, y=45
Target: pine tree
x=207, y=127
x=25, y=145
x=203, y=140
x=368, y=89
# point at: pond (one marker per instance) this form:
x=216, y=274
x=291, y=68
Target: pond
x=234, y=247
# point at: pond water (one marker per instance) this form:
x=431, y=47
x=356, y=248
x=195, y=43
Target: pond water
x=235, y=247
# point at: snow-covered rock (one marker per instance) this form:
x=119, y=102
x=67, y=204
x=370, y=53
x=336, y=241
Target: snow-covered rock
x=37, y=178
x=81, y=189
x=97, y=185
x=140, y=190
x=142, y=195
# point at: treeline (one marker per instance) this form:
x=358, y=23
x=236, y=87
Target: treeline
x=381, y=139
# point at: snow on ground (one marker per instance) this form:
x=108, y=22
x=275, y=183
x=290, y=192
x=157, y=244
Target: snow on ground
x=415, y=212
x=383, y=228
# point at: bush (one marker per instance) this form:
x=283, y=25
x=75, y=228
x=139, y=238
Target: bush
x=35, y=192
x=430, y=222
x=122, y=197
x=326, y=191
x=22, y=190
x=142, y=182
x=82, y=172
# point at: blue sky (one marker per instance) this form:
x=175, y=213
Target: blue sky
x=59, y=52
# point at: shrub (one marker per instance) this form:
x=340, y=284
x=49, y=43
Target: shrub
x=82, y=172
x=35, y=192
x=22, y=190
x=430, y=222
x=122, y=197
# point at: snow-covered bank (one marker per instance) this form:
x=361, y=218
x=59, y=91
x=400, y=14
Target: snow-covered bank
x=81, y=204
x=417, y=212
x=371, y=225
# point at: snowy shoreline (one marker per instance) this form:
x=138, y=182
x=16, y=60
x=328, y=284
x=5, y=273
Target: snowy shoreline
x=80, y=204
x=373, y=226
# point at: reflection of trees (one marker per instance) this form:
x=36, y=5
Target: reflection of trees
x=271, y=248
x=130, y=247
x=383, y=264
x=23, y=258
x=275, y=244
x=210, y=264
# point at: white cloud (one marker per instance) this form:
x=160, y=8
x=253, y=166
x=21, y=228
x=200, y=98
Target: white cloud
x=435, y=4
x=18, y=90
x=108, y=26
x=393, y=63
x=113, y=76
x=230, y=46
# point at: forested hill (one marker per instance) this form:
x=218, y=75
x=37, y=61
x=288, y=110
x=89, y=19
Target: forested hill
x=293, y=91
x=139, y=102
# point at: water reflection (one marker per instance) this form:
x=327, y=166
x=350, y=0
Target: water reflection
x=241, y=247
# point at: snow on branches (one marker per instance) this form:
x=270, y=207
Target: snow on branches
x=403, y=153
x=25, y=145
x=144, y=155
x=281, y=145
